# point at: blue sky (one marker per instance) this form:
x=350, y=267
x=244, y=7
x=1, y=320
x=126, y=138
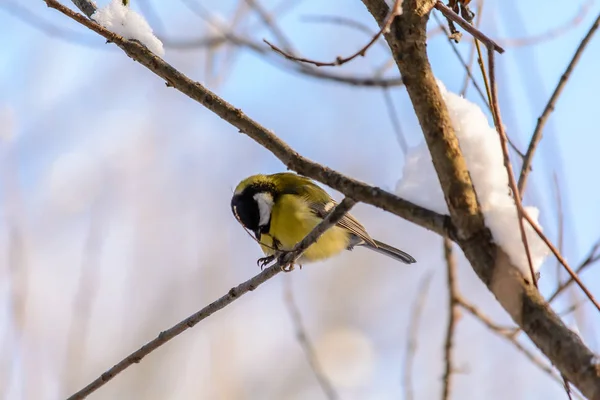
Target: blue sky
x=90, y=98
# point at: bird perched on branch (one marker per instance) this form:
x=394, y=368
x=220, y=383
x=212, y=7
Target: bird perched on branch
x=281, y=209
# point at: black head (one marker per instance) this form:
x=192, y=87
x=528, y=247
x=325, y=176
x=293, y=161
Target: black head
x=245, y=209
x=252, y=206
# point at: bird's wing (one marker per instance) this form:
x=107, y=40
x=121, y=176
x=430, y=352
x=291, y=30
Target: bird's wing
x=347, y=222
x=321, y=203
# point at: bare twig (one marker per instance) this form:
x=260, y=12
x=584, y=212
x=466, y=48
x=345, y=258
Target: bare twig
x=271, y=24
x=507, y=164
x=17, y=271
x=508, y=335
x=592, y=257
x=467, y=68
x=391, y=110
x=343, y=21
x=567, y=386
x=228, y=36
x=561, y=225
x=235, y=293
x=461, y=59
x=521, y=211
x=394, y=12
x=413, y=334
x=541, y=122
x=83, y=301
x=476, y=33
x=542, y=325
x=552, y=33
x=561, y=259
x=177, y=329
x=453, y=316
x=31, y=19
x=359, y=191
x=305, y=343
x=523, y=302
x=468, y=77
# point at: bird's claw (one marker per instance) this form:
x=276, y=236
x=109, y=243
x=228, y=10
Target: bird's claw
x=288, y=261
x=286, y=264
x=264, y=261
x=287, y=268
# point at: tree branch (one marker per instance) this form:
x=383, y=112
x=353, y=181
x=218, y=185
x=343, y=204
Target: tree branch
x=339, y=60
x=453, y=315
x=413, y=333
x=359, y=191
x=520, y=299
x=407, y=41
x=235, y=293
x=306, y=344
x=541, y=122
x=476, y=33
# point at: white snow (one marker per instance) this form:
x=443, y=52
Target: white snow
x=124, y=21
x=480, y=145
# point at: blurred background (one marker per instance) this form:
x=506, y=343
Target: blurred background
x=115, y=221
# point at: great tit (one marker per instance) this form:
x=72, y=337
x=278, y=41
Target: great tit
x=281, y=209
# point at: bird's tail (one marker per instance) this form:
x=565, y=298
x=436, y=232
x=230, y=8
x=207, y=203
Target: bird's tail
x=390, y=251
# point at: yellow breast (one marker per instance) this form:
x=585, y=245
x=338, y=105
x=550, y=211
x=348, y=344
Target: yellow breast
x=291, y=221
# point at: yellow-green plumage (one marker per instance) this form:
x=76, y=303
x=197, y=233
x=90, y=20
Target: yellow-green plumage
x=292, y=220
x=281, y=209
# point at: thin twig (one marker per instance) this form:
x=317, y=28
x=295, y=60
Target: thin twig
x=510, y=334
x=468, y=77
x=552, y=33
x=486, y=83
x=507, y=164
x=359, y=191
x=343, y=21
x=391, y=110
x=305, y=342
x=235, y=293
x=561, y=259
x=271, y=24
x=228, y=36
x=453, y=315
x=561, y=224
x=17, y=276
x=507, y=334
x=413, y=333
x=83, y=300
x=541, y=122
x=395, y=11
x=486, y=100
x=592, y=258
x=460, y=58
x=567, y=386
x=476, y=33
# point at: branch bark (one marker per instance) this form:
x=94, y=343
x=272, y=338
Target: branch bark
x=407, y=40
x=331, y=219
x=541, y=122
x=353, y=188
x=453, y=316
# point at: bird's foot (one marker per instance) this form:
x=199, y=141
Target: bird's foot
x=264, y=261
x=288, y=261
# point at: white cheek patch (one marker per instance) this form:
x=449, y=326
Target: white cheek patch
x=265, y=205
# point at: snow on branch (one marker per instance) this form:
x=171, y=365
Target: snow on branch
x=123, y=21
x=480, y=146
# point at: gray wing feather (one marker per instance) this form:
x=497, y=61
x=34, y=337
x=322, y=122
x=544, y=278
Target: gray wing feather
x=347, y=222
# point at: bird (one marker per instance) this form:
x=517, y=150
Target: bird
x=282, y=208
